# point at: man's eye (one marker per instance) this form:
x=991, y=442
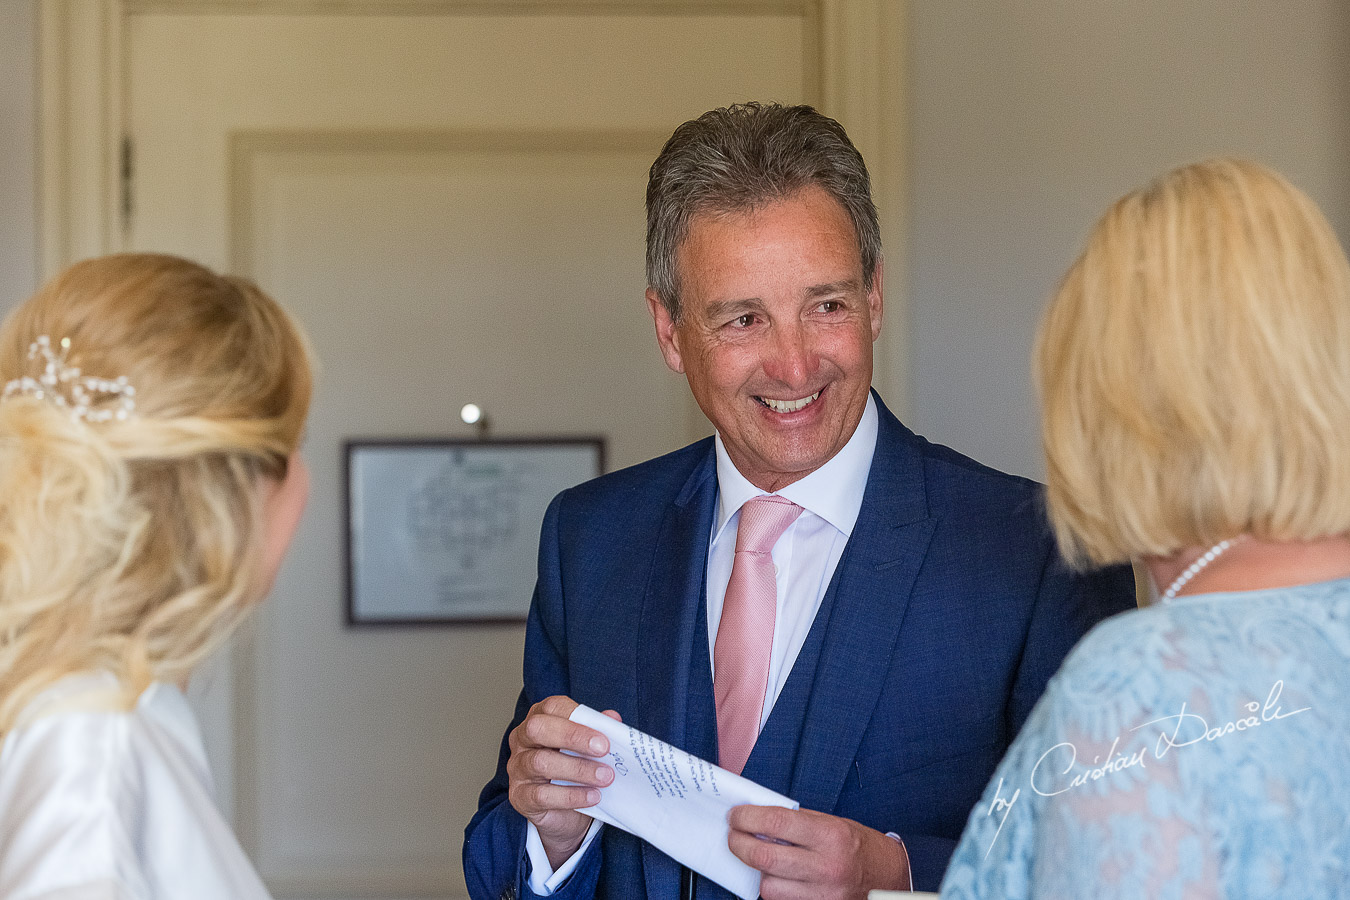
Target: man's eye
x=829, y=306
x=744, y=321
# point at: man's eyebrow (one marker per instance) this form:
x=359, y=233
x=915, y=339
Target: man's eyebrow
x=847, y=286
x=726, y=309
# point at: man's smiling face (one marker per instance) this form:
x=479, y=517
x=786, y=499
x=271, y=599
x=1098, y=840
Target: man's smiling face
x=775, y=332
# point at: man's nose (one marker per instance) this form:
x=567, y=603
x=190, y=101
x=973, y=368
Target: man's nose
x=791, y=356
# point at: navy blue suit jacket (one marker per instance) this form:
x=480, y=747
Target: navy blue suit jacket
x=947, y=614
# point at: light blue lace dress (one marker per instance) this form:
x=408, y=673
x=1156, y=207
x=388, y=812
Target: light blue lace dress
x=1195, y=750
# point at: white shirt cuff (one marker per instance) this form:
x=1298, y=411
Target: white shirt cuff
x=890, y=834
x=543, y=880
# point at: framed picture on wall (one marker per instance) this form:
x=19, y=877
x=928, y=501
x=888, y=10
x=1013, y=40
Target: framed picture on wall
x=447, y=531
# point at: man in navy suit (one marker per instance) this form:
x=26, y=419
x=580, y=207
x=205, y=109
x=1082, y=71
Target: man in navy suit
x=921, y=605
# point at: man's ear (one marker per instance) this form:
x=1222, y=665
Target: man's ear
x=667, y=335
x=874, y=301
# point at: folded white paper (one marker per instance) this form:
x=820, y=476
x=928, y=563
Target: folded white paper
x=676, y=802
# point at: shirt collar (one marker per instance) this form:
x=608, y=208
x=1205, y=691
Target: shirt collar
x=834, y=491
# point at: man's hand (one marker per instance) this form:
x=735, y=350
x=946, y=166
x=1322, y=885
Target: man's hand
x=537, y=759
x=807, y=855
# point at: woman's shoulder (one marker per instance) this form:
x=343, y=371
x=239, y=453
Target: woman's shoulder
x=67, y=776
x=96, y=706
x=1227, y=650
x=85, y=709
x=1218, y=718
x=105, y=790
x=87, y=733
x=1208, y=629
x=1121, y=657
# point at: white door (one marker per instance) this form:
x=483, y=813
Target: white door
x=449, y=195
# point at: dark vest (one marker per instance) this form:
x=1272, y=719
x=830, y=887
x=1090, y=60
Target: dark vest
x=773, y=761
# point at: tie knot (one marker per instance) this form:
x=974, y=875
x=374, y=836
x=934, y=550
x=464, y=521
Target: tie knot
x=763, y=521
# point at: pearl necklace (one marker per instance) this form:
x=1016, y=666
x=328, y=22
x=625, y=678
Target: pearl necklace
x=1195, y=568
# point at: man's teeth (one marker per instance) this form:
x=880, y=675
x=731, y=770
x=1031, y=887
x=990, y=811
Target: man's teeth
x=788, y=406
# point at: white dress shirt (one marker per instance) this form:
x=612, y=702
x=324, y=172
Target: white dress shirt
x=806, y=554
x=98, y=803
x=805, y=558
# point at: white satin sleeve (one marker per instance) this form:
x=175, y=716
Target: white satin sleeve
x=63, y=824
x=115, y=803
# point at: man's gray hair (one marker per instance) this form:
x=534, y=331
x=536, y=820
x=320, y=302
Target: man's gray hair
x=736, y=158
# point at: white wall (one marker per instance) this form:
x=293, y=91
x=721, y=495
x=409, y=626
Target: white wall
x=1029, y=116
x=18, y=153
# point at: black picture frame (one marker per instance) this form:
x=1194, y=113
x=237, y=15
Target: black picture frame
x=445, y=531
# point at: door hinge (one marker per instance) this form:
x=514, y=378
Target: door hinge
x=127, y=171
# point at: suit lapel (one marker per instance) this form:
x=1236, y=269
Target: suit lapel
x=667, y=635
x=871, y=590
x=866, y=607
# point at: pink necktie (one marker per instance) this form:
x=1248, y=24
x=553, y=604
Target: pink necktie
x=745, y=632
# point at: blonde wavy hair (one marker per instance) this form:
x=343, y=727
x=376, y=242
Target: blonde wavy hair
x=1194, y=370
x=133, y=546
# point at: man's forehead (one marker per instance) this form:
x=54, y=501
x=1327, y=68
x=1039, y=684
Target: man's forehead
x=746, y=211
x=822, y=212
x=814, y=237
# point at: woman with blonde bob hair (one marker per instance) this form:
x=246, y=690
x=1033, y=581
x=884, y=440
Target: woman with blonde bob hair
x=149, y=487
x=1194, y=373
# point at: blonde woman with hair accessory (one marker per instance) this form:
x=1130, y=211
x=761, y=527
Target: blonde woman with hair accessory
x=1194, y=374
x=150, y=484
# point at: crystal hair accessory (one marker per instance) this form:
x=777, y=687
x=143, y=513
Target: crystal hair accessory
x=63, y=385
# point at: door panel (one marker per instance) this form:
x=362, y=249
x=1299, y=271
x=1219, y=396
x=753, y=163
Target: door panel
x=451, y=201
